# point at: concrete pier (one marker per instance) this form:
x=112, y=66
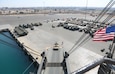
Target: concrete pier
x=42, y=38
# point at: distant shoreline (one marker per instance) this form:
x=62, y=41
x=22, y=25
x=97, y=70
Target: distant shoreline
x=41, y=13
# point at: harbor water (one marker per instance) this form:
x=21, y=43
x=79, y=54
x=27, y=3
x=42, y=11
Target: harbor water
x=13, y=59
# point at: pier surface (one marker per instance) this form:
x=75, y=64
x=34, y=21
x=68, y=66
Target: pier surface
x=43, y=38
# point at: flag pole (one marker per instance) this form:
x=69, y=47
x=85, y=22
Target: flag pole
x=112, y=52
x=112, y=49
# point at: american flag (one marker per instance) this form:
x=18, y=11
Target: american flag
x=101, y=35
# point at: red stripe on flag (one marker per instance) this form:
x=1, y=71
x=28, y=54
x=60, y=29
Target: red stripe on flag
x=100, y=35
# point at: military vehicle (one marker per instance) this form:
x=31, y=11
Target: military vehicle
x=20, y=31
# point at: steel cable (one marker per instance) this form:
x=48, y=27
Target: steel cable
x=14, y=45
x=80, y=44
x=109, y=17
x=103, y=11
x=106, y=11
x=81, y=37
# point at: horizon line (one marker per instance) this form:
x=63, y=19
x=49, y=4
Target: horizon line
x=52, y=7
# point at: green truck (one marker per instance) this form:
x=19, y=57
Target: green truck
x=20, y=31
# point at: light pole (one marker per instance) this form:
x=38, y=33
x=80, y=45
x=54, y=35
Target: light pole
x=86, y=9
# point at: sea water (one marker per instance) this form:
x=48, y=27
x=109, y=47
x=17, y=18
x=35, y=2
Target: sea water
x=13, y=60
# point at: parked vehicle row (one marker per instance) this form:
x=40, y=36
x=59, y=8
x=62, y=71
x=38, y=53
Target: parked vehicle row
x=81, y=28
x=31, y=26
x=69, y=27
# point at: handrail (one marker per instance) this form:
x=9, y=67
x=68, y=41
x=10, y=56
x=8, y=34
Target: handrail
x=93, y=65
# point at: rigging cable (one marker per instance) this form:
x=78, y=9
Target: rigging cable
x=103, y=10
x=28, y=67
x=14, y=45
x=109, y=17
x=31, y=49
x=106, y=11
x=81, y=37
x=7, y=43
x=93, y=23
x=81, y=44
x=86, y=37
x=111, y=21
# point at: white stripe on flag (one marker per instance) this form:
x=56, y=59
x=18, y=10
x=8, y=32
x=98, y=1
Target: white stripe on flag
x=101, y=35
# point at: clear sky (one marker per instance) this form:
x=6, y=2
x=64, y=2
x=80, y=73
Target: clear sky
x=50, y=3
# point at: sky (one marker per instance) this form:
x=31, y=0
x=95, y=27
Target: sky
x=53, y=3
